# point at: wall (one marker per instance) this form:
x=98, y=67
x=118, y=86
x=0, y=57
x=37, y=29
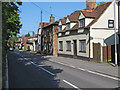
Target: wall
x=99, y=31
x=71, y=38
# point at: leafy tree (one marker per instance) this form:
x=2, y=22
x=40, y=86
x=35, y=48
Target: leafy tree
x=10, y=27
x=100, y=3
x=27, y=35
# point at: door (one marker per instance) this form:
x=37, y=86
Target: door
x=75, y=48
x=97, y=52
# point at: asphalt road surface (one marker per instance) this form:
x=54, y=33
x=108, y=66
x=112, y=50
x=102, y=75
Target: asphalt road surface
x=27, y=70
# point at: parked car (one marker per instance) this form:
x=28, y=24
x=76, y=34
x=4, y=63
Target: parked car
x=11, y=49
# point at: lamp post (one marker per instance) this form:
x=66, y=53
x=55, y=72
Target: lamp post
x=115, y=32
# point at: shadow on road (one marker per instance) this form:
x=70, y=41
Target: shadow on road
x=24, y=74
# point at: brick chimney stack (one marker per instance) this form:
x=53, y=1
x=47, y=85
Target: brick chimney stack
x=33, y=34
x=52, y=19
x=91, y=4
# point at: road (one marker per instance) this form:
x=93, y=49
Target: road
x=27, y=70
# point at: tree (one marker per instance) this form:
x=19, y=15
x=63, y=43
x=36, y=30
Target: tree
x=10, y=27
x=100, y=3
x=27, y=35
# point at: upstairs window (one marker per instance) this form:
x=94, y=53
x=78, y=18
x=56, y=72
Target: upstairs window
x=82, y=23
x=82, y=45
x=68, y=45
x=60, y=45
x=110, y=23
x=68, y=26
x=60, y=28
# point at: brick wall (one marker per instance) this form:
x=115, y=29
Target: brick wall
x=55, y=41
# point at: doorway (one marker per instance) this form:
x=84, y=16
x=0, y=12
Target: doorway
x=74, y=48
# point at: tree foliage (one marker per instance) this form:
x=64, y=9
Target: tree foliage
x=10, y=27
x=27, y=35
x=100, y=3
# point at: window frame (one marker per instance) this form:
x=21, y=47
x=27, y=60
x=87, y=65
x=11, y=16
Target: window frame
x=68, y=45
x=83, y=23
x=60, y=28
x=67, y=28
x=60, y=49
x=110, y=23
x=82, y=46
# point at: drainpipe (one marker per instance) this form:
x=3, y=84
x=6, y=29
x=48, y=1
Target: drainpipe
x=89, y=44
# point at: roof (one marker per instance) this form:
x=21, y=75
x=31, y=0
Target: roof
x=44, y=24
x=73, y=17
x=63, y=20
x=98, y=11
x=56, y=22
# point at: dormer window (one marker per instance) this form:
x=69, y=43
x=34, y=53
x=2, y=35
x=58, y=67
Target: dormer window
x=82, y=23
x=68, y=26
x=60, y=28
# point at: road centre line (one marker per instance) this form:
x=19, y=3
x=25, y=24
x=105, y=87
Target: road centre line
x=43, y=68
x=47, y=71
x=88, y=71
x=70, y=84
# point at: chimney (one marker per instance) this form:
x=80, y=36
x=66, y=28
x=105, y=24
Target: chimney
x=91, y=4
x=52, y=19
x=33, y=34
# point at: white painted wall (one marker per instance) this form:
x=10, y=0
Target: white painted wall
x=72, y=24
x=108, y=14
x=63, y=27
x=88, y=20
x=81, y=16
x=99, y=31
x=71, y=38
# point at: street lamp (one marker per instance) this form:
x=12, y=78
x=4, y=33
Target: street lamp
x=115, y=32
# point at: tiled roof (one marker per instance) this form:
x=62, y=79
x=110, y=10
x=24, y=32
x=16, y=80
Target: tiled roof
x=98, y=11
x=73, y=17
x=63, y=20
x=44, y=24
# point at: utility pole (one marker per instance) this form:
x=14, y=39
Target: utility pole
x=119, y=28
x=115, y=33
x=41, y=32
x=50, y=10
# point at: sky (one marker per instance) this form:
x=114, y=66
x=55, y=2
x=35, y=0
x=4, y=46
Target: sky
x=31, y=13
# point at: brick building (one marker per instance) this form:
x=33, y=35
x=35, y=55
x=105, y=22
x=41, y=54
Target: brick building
x=49, y=41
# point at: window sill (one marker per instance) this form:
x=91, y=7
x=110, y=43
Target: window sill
x=68, y=50
x=82, y=51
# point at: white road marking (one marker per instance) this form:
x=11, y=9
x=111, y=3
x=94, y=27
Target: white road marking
x=115, y=78
x=103, y=75
x=70, y=84
x=82, y=69
x=43, y=69
x=47, y=71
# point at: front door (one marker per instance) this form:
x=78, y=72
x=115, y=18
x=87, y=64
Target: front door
x=75, y=48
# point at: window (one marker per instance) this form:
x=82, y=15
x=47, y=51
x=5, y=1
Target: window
x=82, y=45
x=82, y=23
x=110, y=23
x=60, y=28
x=60, y=45
x=68, y=26
x=68, y=45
